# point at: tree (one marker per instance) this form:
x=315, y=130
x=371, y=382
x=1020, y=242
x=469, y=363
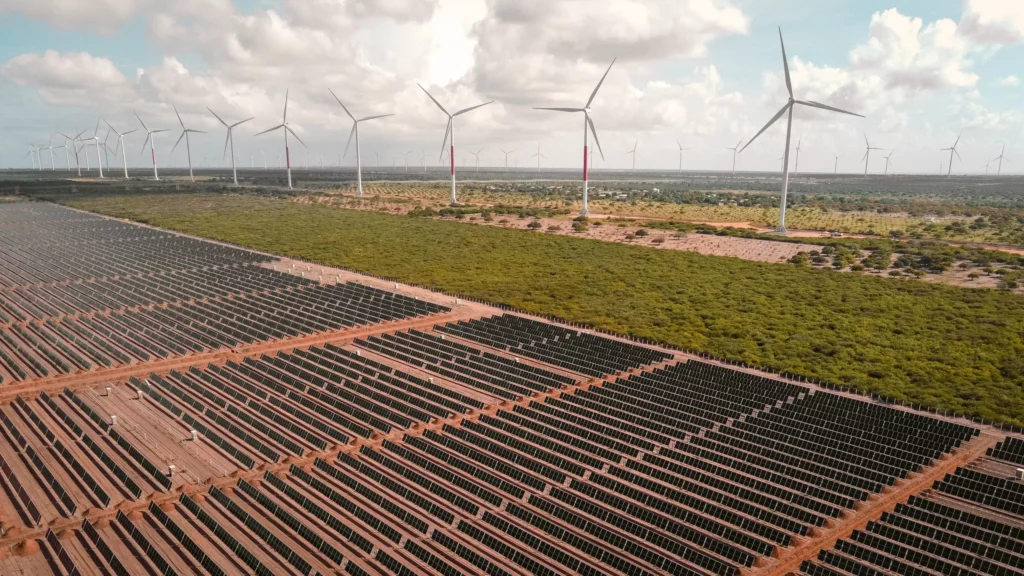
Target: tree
x=640, y=233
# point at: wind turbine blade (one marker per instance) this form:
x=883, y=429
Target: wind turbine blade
x=239, y=123
x=217, y=117
x=129, y=132
x=957, y=140
x=375, y=117
x=108, y=126
x=195, y=131
x=866, y=143
x=178, y=115
x=342, y=105
x=447, y=130
x=159, y=131
x=680, y=145
x=350, y=135
x=296, y=136
x=433, y=99
x=181, y=137
x=768, y=125
x=826, y=107
x=957, y=155
x=464, y=110
x=598, y=87
x=270, y=130
x=285, y=119
x=140, y=121
x=562, y=109
x=785, y=64
x=148, y=136
x=594, y=132
x=226, y=138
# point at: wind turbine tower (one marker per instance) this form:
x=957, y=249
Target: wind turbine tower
x=477, y=155
x=681, y=150
x=633, y=152
x=952, y=150
x=188, y=147
x=736, y=150
x=406, y=154
x=1001, y=157
x=120, y=145
x=867, y=155
x=788, y=108
x=587, y=123
x=355, y=132
x=538, y=156
x=835, y=169
x=449, y=131
x=96, y=140
x=151, y=140
x=796, y=168
x=506, y=157
x=887, y=162
x=283, y=126
x=230, y=139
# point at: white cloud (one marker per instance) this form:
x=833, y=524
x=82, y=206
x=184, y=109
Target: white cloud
x=993, y=21
x=101, y=15
x=69, y=79
x=1011, y=81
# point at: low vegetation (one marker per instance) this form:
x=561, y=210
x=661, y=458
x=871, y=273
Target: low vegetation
x=951, y=348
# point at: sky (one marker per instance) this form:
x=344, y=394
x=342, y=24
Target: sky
x=695, y=74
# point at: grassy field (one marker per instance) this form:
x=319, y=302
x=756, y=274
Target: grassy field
x=951, y=348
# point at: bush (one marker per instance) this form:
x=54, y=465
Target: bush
x=857, y=268
x=554, y=228
x=534, y=225
x=630, y=237
x=658, y=240
x=640, y=233
x=580, y=226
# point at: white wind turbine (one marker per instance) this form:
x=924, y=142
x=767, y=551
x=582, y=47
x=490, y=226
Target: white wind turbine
x=736, y=149
x=1001, y=157
x=406, y=154
x=283, y=126
x=230, y=139
x=788, y=107
x=74, y=146
x=538, y=156
x=151, y=140
x=423, y=159
x=96, y=140
x=506, y=157
x=120, y=145
x=477, y=155
x=887, y=162
x=633, y=152
x=588, y=123
x=835, y=170
x=31, y=155
x=681, y=150
x=188, y=147
x=449, y=131
x=49, y=146
x=952, y=150
x=796, y=168
x=867, y=155
x=987, y=164
x=355, y=132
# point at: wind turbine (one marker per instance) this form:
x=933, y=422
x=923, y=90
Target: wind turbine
x=538, y=156
x=681, y=150
x=952, y=150
x=188, y=147
x=1001, y=157
x=788, y=107
x=887, y=162
x=867, y=155
x=423, y=159
x=151, y=140
x=230, y=139
x=120, y=145
x=796, y=168
x=49, y=146
x=355, y=132
x=506, y=157
x=736, y=149
x=406, y=154
x=283, y=126
x=588, y=123
x=32, y=155
x=633, y=152
x=835, y=170
x=477, y=154
x=74, y=145
x=450, y=131
x=96, y=140
x=987, y=164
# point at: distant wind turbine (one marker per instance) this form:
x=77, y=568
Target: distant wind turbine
x=506, y=157
x=796, y=168
x=835, y=170
x=283, y=126
x=987, y=164
x=120, y=145
x=450, y=131
x=1001, y=157
x=151, y=140
x=406, y=154
x=96, y=140
x=74, y=145
x=952, y=150
x=188, y=147
x=477, y=155
x=633, y=152
x=355, y=132
x=49, y=146
x=681, y=150
x=230, y=139
x=538, y=156
x=789, y=106
x=588, y=123
x=887, y=162
x=31, y=155
x=736, y=149
x=867, y=154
